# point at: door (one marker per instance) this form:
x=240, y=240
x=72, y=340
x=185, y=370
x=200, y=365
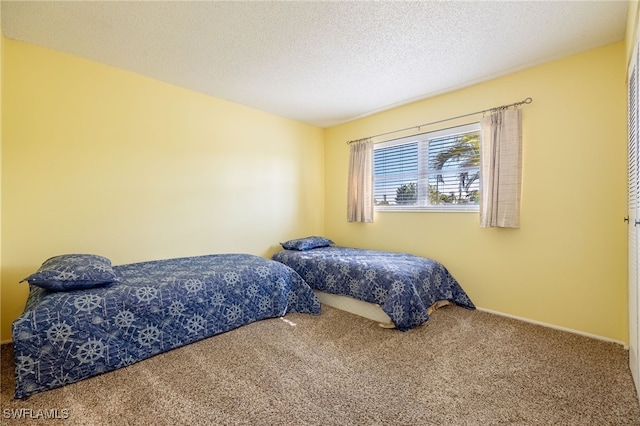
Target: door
x=634, y=217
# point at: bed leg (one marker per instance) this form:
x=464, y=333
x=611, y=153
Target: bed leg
x=386, y=325
x=438, y=304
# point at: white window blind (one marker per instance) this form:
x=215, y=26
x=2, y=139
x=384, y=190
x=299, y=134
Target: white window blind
x=432, y=171
x=395, y=167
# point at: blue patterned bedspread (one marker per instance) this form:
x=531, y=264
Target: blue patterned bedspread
x=63, y=337
x=402, y=284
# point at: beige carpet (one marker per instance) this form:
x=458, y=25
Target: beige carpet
x=461, y=368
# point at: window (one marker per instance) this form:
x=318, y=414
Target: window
x=431, y=171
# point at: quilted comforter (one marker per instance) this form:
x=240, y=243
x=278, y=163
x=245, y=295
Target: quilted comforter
x=403, y=285
x=155, y=306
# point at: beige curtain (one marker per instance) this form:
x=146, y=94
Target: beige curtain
x=360, y=190
x=501, y=159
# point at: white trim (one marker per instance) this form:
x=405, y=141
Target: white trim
x=351, y=305
x=555, y=327
x=448, y=208
x=374, y=312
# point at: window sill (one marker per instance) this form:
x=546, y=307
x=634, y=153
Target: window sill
x=473, y=208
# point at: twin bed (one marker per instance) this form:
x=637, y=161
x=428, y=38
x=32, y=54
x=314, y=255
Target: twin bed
x=404, y=287
x=84, y=317
x=93, y=318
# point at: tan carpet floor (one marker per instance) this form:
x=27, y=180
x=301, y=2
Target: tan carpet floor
x=461, y=368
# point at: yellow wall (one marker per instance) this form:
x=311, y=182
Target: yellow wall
x=632, y=27
x=1, y=85
x=96, y=159
x=99, y=160
x=567, y=264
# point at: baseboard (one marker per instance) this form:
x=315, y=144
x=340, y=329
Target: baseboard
x=489, y=311
x=556, y=327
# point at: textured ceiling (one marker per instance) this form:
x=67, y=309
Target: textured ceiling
x=318, y=62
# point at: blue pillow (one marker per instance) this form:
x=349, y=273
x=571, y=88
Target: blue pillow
x=73, y=272
x=307, y=243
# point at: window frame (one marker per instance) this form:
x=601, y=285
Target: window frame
x=423, y=138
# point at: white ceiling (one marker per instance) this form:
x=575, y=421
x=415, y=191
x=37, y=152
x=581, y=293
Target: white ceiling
x=318, y=62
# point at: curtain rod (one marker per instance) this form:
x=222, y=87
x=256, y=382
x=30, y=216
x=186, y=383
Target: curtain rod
x=526, y=101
